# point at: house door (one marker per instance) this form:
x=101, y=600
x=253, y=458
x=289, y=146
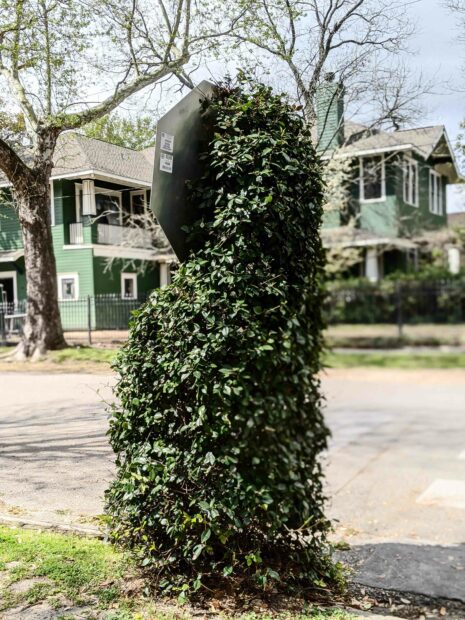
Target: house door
x=7, y=289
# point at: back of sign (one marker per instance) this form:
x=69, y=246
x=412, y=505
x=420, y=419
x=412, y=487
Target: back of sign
x=178, y=146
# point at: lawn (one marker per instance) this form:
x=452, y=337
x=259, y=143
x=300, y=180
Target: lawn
x=398, y=360
x=94, y=359
x=71, y=359
x=88, y=578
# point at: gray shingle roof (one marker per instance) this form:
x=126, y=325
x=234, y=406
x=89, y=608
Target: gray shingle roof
x=359, y=139
x=75, y=153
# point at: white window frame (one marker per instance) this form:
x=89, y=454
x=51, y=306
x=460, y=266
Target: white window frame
x=52, y=204
x=98, y=190
x=5, y=275
x=435, y=198
x=129, y=276
x=383, y=179
x=409, y=162
x=137, y=192
x=68, y=276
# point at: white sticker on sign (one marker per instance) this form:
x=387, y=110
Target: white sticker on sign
x=166, y=162
x=167, y=142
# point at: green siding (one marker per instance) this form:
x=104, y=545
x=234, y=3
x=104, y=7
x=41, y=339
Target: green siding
x=392, y=217
x=329, y=112
x=380, y=217
x=107, y=277
x=10, y=231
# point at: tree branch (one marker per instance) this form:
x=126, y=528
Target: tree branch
x=12, y=165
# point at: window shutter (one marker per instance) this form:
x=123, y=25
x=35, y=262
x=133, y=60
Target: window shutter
x=88, y=198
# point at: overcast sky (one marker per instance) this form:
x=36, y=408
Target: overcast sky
x=441, y=56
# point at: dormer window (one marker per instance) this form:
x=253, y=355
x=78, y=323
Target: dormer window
x=435, y=193
x=411, y=182
x=372, y=178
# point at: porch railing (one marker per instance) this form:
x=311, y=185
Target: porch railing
x=112, y=234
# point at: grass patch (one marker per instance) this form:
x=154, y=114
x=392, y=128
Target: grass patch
x=83, y=354
x=410, y=360
x=76, y=568
x=92, y=574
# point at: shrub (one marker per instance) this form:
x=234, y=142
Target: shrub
x=219, y=429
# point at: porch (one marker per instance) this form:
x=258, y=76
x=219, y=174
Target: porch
x=111, y=234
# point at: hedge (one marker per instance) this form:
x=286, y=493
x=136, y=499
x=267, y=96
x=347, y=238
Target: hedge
x=219, y=430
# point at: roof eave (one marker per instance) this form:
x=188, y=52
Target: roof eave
x=363, y=152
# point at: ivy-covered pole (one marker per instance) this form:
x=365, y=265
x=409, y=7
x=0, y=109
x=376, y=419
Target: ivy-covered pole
x=219, y=430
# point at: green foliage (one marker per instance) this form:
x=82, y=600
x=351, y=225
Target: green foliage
x=218, y=430
x=422, y=298
x=137, y=134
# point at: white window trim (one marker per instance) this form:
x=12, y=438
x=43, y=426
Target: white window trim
x=68, y=276
x=4, y=275
x=137, y=192
x=436, y=209
x=129, y=276
x=409, y=161
x=52, y=204
x=99, y=190
x=383, y=181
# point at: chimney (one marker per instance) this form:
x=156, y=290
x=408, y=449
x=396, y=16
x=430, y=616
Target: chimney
x=329, y=114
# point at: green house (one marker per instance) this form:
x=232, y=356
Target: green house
x=105, y=247
x=397, y=184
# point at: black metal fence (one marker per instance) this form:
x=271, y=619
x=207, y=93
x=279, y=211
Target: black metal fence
x=400, y=303
x=80, y=318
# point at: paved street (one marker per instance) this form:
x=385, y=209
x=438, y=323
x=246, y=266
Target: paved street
x=397, y=477
x=396, y=468
x=54, y=458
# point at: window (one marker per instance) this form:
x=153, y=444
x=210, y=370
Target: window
x=138, y=202
x=107, y=209
x=68, y=286
x=372, y=182
x=8, y=287
x=435, y=192
x=411, y=182
x=129, y=286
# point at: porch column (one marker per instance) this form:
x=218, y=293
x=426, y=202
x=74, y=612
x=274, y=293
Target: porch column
x=371, y=265
x=165, y=278
x=453, y=258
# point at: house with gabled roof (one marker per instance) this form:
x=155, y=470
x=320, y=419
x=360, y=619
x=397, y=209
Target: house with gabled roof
x=99, y=193
x=397, y=186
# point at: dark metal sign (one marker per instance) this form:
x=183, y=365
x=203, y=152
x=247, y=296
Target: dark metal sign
x=177, y=149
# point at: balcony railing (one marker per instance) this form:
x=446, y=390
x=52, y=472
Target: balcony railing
x=113, y=234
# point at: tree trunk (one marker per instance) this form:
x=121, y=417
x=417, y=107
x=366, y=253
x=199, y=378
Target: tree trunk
x=42, y=330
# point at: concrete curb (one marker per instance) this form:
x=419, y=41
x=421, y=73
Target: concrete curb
x=64, y=528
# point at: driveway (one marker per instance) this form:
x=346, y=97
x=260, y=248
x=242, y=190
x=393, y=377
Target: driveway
x=396, y=467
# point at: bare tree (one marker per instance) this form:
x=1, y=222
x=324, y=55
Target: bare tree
x=338, y=208
x=356, y=40
x=63, y=64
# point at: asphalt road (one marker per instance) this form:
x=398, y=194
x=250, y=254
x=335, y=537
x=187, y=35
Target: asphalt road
x=396, y=467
